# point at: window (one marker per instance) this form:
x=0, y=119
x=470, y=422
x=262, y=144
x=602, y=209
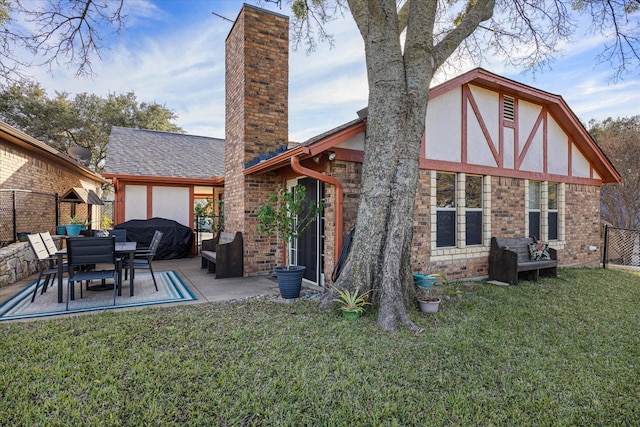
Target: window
x=534, y=209
x=544, y=206
x=552, y=211
x=445, y=209
x=473, y=210
x=459, y=210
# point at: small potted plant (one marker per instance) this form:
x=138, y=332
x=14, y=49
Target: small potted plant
x=353, y=303
x=287, y=214
x=427, y=298
x=74, y=226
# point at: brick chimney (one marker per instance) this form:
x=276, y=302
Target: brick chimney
x=257, y=85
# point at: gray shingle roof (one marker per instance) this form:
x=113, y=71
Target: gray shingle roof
x=154, y=153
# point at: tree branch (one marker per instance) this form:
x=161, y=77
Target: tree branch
x=62, y=30
x=476, y=12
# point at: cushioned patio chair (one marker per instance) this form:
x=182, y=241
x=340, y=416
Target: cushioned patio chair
x=46, y=264
x=98, y=251
x=143, y=257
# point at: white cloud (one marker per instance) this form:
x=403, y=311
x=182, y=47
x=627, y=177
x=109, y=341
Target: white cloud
x=182, y=67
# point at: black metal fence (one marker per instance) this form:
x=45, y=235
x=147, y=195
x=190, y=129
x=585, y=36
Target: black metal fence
x=25, y=211
x=621, y=248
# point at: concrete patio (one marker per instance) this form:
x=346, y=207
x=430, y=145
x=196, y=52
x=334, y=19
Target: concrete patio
x=204, y=285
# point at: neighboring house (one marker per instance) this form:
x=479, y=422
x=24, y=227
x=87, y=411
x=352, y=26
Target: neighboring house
x=162, y=174
x=499, y=158
x=41, y=177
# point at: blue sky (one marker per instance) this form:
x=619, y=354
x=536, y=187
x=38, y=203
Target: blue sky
x=173, y=53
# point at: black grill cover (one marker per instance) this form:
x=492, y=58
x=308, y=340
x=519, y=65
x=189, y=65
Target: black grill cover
x=176, y=242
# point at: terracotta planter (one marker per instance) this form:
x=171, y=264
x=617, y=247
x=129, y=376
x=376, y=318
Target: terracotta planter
x=429, y=306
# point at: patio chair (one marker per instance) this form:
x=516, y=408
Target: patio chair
x=98, y=251
x=46, y=264
x=52, y=249
x=142, y=258
x=49, y=243
x=119, y=234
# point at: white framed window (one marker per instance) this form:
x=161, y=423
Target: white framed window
x=473, y=210
x=545, y=210
x=445, y=209
x=534, y=209
x=552, y=211
x=462, y=214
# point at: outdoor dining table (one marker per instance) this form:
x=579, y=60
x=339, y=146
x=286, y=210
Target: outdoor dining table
x=122, y=248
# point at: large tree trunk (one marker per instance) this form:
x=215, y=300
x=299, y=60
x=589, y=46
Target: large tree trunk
x=398, y=95
x=395, y=123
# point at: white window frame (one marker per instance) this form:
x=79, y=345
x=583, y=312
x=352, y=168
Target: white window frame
x=454, y=208
x=556, y=210
x=544, y=212
x=461, y=250
x=539, y=202
x=480, y=209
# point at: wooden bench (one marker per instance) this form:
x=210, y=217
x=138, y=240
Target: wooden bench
x=509, y=257
x=223, y=255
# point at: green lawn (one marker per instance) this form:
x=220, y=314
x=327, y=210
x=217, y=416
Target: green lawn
x=560, y=352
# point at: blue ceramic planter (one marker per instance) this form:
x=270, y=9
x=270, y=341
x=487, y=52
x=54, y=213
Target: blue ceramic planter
x=73, y=229
x=290, y=280
x=424, y=280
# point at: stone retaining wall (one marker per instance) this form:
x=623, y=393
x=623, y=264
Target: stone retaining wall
x=17, y=262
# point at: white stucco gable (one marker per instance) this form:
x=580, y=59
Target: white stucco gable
x=482, y=123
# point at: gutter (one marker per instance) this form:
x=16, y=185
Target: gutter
x=213, y=181
x=297, y=167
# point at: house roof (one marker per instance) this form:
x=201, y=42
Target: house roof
x=21, y=139
x=555, y=103
x=149, y=153
x=309, y=148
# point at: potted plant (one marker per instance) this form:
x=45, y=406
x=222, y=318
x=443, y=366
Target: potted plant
x=74, y=226
x=353, y=303
x=287, y=215
x=427, y=298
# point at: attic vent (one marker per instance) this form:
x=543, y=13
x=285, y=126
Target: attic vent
x=509, y=108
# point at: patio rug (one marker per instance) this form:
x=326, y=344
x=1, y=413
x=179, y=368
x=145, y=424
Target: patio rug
x=171, y=288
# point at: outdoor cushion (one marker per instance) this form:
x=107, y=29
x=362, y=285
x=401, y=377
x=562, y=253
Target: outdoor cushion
x=539, y=251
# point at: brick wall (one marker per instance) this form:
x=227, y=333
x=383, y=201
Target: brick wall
x=507, y=207
x=349, y=174
x=257, y=78
x=582, y=224
x=421, y=248
x=28, y=170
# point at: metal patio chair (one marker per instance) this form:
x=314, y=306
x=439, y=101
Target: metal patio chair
x=98, y=251
x=46, y=264
x=143, y=257
x=119, y=234
x=49, y=244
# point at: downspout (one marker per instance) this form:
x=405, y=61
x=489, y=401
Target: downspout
x=297, y=167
